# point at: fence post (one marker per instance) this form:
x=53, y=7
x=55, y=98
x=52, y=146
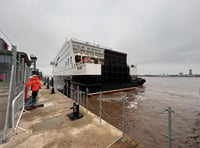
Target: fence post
x=67, y=89
x=170, y=138
x=123, y=118
x=87, y=99
x=72, y=93
x=100, y=106
x=8, y=118
x=80, y=99
x=77, y=95
x=8, y=107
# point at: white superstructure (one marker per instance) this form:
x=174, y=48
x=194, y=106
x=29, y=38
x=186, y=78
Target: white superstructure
x=81, y=58
x=91, y=64
x=78, y=58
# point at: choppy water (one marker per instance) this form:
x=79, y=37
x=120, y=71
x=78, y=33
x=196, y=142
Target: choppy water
x=146, y=120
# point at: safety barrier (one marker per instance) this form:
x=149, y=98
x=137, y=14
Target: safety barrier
x=20, y=72
x=79, y=96
x=17, y=108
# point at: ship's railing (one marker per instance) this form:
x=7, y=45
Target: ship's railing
x=89, y=43
x=15, y=101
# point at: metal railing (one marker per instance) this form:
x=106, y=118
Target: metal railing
x=17, y=108
x=15, y=102
x=79, y=96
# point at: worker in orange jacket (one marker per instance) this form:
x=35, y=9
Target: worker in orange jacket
x=35, y=84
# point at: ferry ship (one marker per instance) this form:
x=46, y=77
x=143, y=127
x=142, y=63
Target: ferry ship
x=92, y=66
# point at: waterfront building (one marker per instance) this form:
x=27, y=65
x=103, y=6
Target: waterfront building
x=190, y=72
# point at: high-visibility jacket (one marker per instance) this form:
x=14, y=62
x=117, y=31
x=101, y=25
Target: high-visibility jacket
x=38, y=81
x=34, y=82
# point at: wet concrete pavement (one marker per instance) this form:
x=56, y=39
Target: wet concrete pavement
x=50, y=127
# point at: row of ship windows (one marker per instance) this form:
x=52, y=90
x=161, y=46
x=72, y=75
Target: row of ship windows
x=86, y=47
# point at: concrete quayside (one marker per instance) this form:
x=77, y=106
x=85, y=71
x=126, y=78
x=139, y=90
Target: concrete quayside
x=49, y=126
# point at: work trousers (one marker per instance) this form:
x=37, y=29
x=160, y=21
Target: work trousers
x=34, y=96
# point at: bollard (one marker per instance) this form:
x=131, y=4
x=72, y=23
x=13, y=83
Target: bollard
x=48, y=83
x=75, y=114
x=52, y=89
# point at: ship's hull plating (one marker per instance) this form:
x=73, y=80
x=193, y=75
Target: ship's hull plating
x=93, y=82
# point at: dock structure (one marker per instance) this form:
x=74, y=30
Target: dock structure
x=49, y=126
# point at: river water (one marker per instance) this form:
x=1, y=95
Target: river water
x=146, y=118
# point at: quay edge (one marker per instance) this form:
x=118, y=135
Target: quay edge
x=50, y=127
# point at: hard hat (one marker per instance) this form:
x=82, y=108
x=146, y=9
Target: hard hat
x=30, y=77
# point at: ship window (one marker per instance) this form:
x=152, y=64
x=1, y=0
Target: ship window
x=70, y=60
x=77, y=58
x=83, y=46
x=58, y=58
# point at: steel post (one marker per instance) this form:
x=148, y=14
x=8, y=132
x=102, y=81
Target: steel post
x=67, y=90
x=8, y=107
x=87, y=99
x=11, y=95
x=170, y=138
x=100, y=106
x=77, y=97
x=123, y=118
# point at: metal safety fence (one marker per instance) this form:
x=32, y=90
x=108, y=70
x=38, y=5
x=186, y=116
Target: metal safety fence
x=19, y=73
x=79, y=96
x=123, y=118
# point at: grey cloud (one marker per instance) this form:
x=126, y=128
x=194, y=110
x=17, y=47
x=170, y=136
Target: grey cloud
x=151, y=32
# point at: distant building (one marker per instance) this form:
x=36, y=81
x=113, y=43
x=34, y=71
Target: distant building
x=190, y=72
x=33, y=61
x=181, y=74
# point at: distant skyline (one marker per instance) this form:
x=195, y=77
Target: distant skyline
x=158, y=36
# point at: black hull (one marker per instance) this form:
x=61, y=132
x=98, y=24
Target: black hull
x=93, y=82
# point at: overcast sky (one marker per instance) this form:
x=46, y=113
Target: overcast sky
x=160, y=36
